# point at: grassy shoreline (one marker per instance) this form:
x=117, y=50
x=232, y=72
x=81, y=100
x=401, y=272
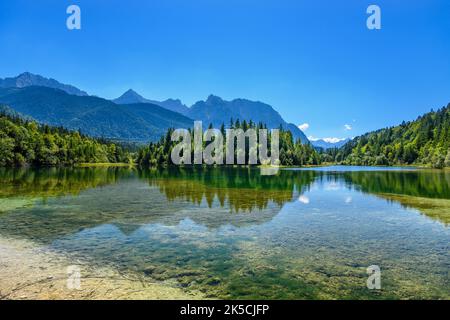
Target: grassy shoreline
x=104, y=164
x=135, y=165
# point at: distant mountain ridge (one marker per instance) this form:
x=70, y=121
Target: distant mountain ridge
x=28, y=79
x=215, y=110
x=129, y=117
x=321, y=143
x=94, y=116
x=131, y=97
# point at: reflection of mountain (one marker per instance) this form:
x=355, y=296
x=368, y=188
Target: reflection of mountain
x=209, y=197
x=78, y=199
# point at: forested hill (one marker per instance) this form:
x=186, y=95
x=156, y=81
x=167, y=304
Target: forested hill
x=26, y=142
x=423, y=141
x=292, y=152
x=91, y=115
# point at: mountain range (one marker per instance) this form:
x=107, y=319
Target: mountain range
x=131, y=96
x=94, y=116
x=324, y=144
x=28, y=79
x=131, y=116
x=216, y=111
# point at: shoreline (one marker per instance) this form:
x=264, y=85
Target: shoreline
x=104, y=164
x=30, y=272
x=322, y=165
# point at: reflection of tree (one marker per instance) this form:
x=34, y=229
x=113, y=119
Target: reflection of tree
x=48, y=182
x=241, y=189
x=437, y=209
x=428, y=184
x=426, y=191
x=24, y=188
x=205, y=196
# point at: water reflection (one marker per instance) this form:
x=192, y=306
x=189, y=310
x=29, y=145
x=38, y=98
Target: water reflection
x=418, y=183
x=50, y=182
x=237, y=196
x=427, y=190
x=234, y=233
x=239, y=189
x=130, y=198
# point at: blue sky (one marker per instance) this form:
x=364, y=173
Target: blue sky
x=314, y=61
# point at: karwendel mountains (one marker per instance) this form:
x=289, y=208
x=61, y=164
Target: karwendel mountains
x=132, y=96
x=130, y=117
x=50, y=102
x=27, y=79
x=325, y=144
x=216, y=111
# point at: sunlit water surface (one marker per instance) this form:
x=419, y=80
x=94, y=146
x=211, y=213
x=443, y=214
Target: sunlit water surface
x=234, y=233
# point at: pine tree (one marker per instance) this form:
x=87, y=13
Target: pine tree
x=447, y=159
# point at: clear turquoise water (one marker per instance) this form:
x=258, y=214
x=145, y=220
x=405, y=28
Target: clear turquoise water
x=233, y=233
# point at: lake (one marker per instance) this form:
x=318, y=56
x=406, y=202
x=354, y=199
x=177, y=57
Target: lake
x=237, y=233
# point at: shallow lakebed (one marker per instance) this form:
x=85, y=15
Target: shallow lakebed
x=233, y=232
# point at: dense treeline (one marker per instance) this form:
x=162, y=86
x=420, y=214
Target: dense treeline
x=25, y=142
x=425, y=141
x=291, y=152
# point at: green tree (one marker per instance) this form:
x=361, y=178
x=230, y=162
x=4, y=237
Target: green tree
x=26, y=142
x=423, y=141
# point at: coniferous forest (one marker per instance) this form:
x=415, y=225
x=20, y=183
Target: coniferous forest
x=291, y=152
x=425, y=141
x=25, y=142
